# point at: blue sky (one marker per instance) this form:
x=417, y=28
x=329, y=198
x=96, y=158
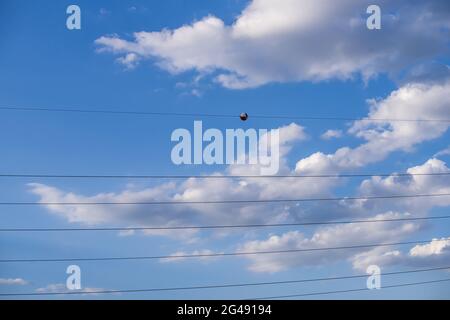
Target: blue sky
x=225, y=57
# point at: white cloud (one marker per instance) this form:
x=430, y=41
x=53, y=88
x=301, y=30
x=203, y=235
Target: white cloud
x=13, y=282
x=414, y=184
x=330, y=134
x=412, y=101
x=336, y=236
x=424, y=101
x=436, y=253
x=278, y=41
x=192, y=189
x=130, y=60
x=61, y=288
x=340, y=235
x=265, y=188
x=377, y=256
x=435, y=247
x=370, y=233
x=444, y=152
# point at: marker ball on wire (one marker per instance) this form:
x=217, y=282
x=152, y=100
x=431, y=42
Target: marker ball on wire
x=243, y=116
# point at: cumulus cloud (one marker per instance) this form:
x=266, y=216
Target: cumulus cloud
x=436, y=253
x=192, y=189
x=331, y=134
x=336, y=236
x=265, y=188
x=277, y=41
x=410, y=102
x=369, y=233
x=340, y=235
x=130, y=60
x=381, y=138
x=414, y=184
x=435, y=247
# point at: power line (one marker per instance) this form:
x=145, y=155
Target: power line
x=312, y=223
x=222, y=201
x=349, y=290
x=219, y=286
x=207, y=255
x=86, y=176
x=119, y=112
x=211, y=115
